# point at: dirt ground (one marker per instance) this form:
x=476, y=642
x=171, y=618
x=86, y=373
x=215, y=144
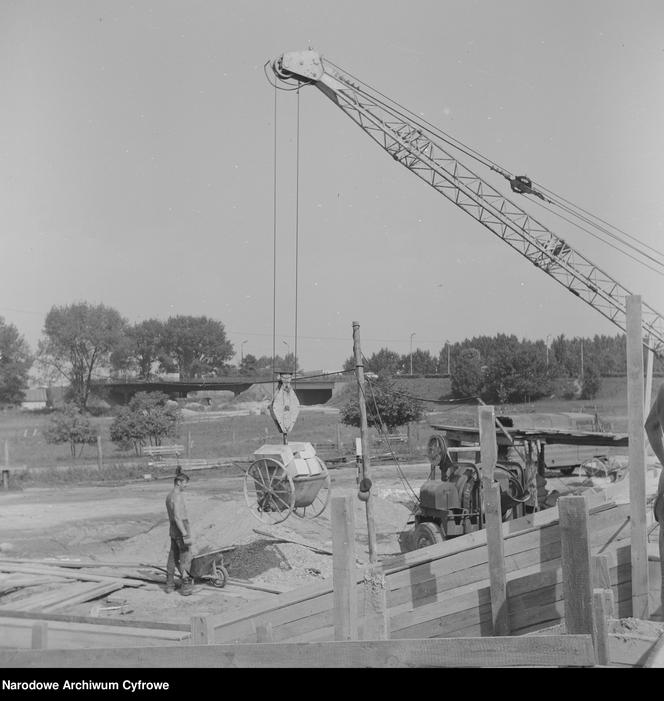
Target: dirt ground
x=125, y=527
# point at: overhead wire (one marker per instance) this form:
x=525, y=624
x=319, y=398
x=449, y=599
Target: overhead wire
x=401, y=110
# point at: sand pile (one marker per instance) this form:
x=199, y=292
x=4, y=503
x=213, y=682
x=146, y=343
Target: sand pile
x=218, y=522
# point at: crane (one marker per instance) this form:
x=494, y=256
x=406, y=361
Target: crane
x=419, y=149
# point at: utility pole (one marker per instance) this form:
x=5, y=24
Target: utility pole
x=448, y=359
x=365, y=465
x=581, y=360
x=376, y=619
x=411, y=352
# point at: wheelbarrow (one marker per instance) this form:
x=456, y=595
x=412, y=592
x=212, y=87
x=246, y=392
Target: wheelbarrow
x=208, y=566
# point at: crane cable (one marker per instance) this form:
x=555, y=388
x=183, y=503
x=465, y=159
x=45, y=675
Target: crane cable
x=402, y=111
x=274, y=245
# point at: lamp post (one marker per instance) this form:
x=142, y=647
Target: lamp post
x=287, y=348
x=447, y=343
x=411, y=352
x=546, y=341
x=242, y=352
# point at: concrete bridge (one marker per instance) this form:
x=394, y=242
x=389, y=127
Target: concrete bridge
x=315, y=391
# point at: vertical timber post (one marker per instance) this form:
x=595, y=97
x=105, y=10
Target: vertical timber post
x=5, y=473
x=637, y=459
x=576, y=565
x=202, y=632
x=100, y=454
x=493, y=522
x=649, y=371
x=39, y=639
x=344, y=577
x=376, y=623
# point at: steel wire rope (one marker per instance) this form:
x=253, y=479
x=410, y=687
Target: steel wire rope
x=476, y=155
x=594, y=216
x=384, y=434
x=570, y=210
x=401, y=110
x=274, y=245
x=297, y=229
x=599, y=238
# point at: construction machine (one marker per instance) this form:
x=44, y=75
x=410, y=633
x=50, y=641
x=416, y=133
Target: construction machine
x=452, y=504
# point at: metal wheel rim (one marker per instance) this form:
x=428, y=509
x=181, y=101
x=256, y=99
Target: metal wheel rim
x=318, y=505
x=259, y=474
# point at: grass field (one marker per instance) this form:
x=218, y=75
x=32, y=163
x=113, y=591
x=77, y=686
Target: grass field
x=238, y=436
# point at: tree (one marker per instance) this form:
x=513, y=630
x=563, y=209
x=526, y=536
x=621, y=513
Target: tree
x=384, y=363
x=142, y=348
x=386, y=406
x=15, y=362
x=79, y=340
x=196, y=345
x=70, y=426
x=423, y=362
x=591, y=383
x=147, y=419
x=248, y=365
x=520, y=375
x=467, y=377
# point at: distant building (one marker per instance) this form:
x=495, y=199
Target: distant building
x=35, y=399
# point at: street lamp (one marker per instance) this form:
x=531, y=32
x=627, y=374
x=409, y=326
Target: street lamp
x=411, y=352
x=242, y=352
x=287, y=347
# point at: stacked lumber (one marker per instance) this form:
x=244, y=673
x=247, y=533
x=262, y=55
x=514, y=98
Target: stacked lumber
x=443, y=590
x=75, y=586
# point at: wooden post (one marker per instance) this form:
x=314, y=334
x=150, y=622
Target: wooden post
x=493, y=522
x=648, y=393
x=601, y=579
x=264, y=632
x=637, y=459
x=575, y=555
x=100, y=454
x=202, y=631
x=5, y=473
x=188, y=447
x=39, y=635
x=364, y=434
x=344, y=577
x=339, y=436
x=600, y=627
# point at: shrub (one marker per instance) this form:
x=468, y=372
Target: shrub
x=70, y=426
x=146, y=420
x=386, y=406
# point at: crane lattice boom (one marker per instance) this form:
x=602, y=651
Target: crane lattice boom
x=418, y=150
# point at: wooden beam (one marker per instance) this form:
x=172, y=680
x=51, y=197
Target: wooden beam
x=264, y=632
x=548, y=650
x=376, y=619
x=577, y=579
x=202, y=632
x=39, y=635
x=637, y=459
x=344, y=576
x=493, y=522
x=600, y=626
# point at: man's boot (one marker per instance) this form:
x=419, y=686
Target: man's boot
x=170, y=585
x=187, y=587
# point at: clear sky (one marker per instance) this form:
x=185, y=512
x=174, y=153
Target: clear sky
x=137, y=161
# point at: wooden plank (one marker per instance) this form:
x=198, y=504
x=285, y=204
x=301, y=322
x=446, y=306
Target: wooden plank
x=344, y=576
x=68, y=573
x=600, y=627
x=550, y=650
x=39, y=635
x=629, y=650
x=493, y=524
x=202, y=632
x=637, y=458
x=577, y=582
x=92, y=620
x=376, y=619
x=264, y=633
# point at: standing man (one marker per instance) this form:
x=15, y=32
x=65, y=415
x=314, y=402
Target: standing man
x=181, y=541
x=654, y=426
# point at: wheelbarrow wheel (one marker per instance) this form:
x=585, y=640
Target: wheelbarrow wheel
x=220, y=575
x=269, y=491
x=318, y=505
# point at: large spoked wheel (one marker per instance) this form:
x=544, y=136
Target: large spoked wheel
x=318, y=505
x=269, y=491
